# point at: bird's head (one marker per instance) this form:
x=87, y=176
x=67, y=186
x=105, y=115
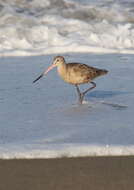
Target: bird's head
x=56, y=62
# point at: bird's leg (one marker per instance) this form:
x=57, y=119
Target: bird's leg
x=81, y=95
x=94, y=85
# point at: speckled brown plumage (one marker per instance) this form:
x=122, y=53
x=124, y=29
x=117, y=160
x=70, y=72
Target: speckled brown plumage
x=75, y=73
x=82, y=73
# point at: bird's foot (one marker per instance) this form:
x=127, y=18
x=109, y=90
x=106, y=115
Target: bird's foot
x=81, y=97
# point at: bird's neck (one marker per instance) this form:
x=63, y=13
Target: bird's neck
x=62, y=69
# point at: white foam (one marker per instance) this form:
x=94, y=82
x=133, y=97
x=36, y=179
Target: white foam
x=29, y=29
x=67, y=151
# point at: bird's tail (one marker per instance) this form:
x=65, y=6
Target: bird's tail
x=101, y=72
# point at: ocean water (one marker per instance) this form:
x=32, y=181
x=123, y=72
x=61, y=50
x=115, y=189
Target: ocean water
x=31, y=27
x=43, y=120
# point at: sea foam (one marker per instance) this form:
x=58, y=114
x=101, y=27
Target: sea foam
x=46, y=27
x=66, y=151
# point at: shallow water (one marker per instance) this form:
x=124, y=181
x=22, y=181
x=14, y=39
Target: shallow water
x=44, y=119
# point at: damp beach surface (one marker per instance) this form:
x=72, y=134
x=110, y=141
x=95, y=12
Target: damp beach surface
x=43, y=120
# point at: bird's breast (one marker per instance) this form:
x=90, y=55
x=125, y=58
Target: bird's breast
x=73, y=76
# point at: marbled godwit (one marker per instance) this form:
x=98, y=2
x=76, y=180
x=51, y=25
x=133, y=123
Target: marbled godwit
x=75, y=74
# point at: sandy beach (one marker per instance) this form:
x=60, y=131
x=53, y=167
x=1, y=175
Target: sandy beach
x=96, y=173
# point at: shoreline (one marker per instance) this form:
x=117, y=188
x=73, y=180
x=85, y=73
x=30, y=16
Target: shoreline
x=96, y=173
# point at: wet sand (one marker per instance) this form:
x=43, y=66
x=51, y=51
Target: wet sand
x=95, y=173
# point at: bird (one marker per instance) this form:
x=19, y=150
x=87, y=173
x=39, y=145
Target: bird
x=75, y=74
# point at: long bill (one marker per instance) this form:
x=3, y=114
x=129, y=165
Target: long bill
x=45, y=72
